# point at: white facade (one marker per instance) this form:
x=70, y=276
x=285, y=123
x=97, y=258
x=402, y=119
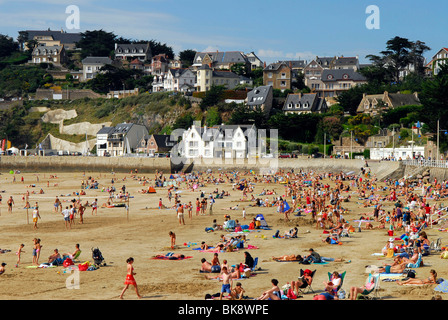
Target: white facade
x=179, y=80
x=402, y=153
x=218, y=142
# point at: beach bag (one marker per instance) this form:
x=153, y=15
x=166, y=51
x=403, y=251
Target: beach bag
x=291, y=295
x=341, y=294
x=68, y=262
x=409, y=273
x=83, y=266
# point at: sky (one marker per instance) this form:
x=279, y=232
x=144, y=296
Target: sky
x=272, y=29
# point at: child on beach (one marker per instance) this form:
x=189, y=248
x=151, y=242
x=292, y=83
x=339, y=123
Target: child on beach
x=18, y=253
x=172, y=239
x=226, y=283
x=36, y=216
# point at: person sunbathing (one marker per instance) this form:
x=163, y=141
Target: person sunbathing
x=430, y=280
x=291, y=257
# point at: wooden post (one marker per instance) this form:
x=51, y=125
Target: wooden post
x=127, y=209
x=27, y=217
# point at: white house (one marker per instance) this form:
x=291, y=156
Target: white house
x=224, y=141
x=91, y=66
x=120, y=140
x=179, y=80
x=401, y=153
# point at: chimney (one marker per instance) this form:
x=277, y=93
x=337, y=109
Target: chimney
x=116, y=45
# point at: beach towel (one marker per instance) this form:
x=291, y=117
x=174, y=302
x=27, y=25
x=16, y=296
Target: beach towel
x=442, y=287
x=168, y=257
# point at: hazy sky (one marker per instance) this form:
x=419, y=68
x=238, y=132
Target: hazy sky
x=280, y=29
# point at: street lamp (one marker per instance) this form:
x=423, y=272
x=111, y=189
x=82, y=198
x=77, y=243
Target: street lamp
x=438, y=131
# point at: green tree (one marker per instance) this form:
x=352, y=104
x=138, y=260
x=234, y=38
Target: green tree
x=97, y=43
x=7, y=46
x=183, y=122
x=187, y=57
x=212, y=97
x=213, y=117
x=434, y=97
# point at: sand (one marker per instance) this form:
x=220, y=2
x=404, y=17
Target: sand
x=142, y=233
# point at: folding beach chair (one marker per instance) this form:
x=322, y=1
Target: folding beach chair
x=308, y=288
x=342, y=275
x=373, y=293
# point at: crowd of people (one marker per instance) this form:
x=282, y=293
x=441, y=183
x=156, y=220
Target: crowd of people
x=398, y=205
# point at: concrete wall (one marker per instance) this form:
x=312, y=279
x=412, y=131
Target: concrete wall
x=126, y=164
x=382, y=169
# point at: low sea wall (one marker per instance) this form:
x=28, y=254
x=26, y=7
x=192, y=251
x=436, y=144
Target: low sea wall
x=144, y=164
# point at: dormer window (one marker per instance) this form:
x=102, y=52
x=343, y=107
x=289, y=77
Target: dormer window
x=345, y=76
x=330, y=77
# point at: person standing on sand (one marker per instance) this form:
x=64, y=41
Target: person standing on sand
x=18, y=253
x=81, y=209
x=66, y=214
x=130, y=278
x=57, y=204
x=36, y=216
x=172, y=239
x=180, y=213
x=226, y=282
x=10, y=203
x=95, y=206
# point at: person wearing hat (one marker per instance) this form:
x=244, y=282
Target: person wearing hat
x=2, y=268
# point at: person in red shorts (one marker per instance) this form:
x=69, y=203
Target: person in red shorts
x=130, y=278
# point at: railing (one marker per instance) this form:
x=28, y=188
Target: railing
x=427, y=163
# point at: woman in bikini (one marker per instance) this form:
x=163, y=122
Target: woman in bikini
x=430, y=280
x=130, y=278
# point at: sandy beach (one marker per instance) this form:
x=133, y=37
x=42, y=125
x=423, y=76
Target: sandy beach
x=142, y=233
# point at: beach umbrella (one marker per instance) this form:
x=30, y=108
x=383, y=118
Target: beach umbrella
x=442, y=287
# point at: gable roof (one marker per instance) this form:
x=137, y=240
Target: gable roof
x=344, y=61
x=133, y=46
x=304, y=102
x=105, y=130
x=63, y=37
x=96, y=60
x=258, y=95
x=402, y=99
x=163, y=141
x=295, y=64
x=222, y=56
x=43, y=49
x=324, y=61
x=331, y=75
x=275, y=66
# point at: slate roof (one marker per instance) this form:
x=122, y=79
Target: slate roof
x=258, y=95
x=304, y=102
x=63, y=37
x=332, y=75
x=96, y=60
x=223, y=56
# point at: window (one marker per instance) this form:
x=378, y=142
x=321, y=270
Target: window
x=270, y=75
x=283, y=83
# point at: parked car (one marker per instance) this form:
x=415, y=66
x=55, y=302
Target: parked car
x=284, y=155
